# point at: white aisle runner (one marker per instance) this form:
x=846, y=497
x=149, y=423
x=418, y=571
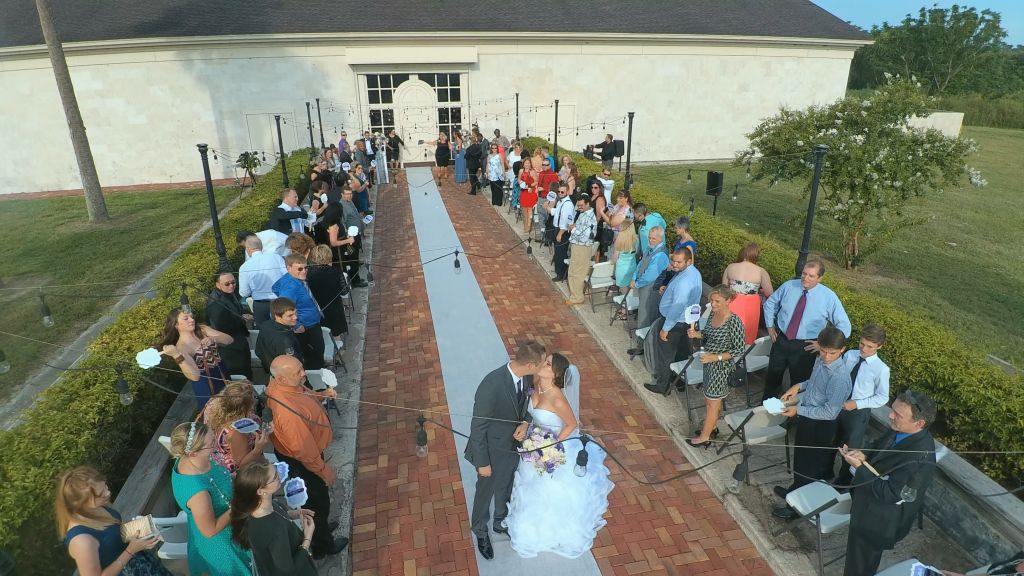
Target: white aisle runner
x=469, y=347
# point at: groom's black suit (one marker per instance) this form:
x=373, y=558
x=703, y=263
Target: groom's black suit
x=491, y=443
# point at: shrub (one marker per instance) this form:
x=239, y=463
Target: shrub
x=980, y=405
x=1006, y=112
x=79, y=420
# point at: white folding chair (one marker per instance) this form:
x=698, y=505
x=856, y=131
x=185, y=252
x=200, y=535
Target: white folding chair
x=174, y=531
x=602, y=275
x=253, y=358
x=901, y=569
x=824, y=507
x=165, y=441
x=625, y=303
x=756, y=426
x=332, y=350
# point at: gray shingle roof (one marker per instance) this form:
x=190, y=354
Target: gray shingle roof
x=82, y=20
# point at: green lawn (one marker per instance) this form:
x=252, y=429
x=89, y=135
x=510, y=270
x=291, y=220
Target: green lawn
x=963, y=268
x=49, y=241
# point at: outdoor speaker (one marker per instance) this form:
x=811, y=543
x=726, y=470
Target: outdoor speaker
x=716, y=181
x=620, y=148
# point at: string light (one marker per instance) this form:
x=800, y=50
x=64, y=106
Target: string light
x=689, y=178
x=458, y=265
x=421, y=437
x=124, y=394
x=185, y=306
x=691, y=206
x=529, y=246
x=735, y=192
x=749, y=175
x=5, y=364
x=44, y=311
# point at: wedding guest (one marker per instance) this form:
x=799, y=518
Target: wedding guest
x=670, y=340
x=442, y=157
x=277, y=335
x=794, y=314
x=604, y=236
x=645, y=222
x=652, y=264
x=268, y=530
x=361, y=157
x=350, y=261
x=231, y=448
x=882, y=513
x=624, y=252
x=394, y=148
x=870, y=377
x=750, y=282
x=502, y=141
x=288, y=217
x=607, y=148
x=496, y=169
x=293, y=286
x=257, y=275
x=683, y=240
x=561, y=214
x=474, y=159
x=328, y=286
x=91, y=529
x=512, y=157
x=225, y=312
x=1011, y=566
x=582, y=232
x=459, y=151
x=527, y=193
x=202, y=489
x=823, y=396
x=722, y=341
x=619, y=213
x=299, y=243
x=360, y=189
x=193, y=347
x=301, y=433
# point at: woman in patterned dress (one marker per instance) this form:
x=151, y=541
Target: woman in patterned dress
x=722, y=343
x=193, y=347
x=202, y=488
x=231, y=448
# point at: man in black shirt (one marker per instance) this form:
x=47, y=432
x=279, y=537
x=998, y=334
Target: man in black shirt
x=286, y=218
x=277, y=335
x=607, y=151
x=474, y=157
x=225, y=312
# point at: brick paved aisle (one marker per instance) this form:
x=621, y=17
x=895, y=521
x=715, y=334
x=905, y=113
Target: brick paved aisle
x=410, y=515
x=674, y=528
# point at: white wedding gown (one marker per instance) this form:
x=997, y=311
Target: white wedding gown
x=558, y=512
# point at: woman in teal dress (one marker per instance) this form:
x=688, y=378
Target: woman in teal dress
x=202, y=488
x=461, y=174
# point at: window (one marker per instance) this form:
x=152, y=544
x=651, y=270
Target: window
x=382, y=120
x=446, y=85
x=380, y=94
x=449, y=120
x=381, y=87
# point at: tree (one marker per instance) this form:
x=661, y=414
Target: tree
x=249, y=162
x=94, y=202
x=876, y=162
x=948, y=49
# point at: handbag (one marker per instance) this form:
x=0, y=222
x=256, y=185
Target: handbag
x=739, y=374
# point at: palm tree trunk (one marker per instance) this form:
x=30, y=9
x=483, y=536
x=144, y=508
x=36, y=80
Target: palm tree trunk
x=94, y=202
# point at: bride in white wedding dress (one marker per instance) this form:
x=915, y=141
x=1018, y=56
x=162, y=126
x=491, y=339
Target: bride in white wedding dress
x=558, y=512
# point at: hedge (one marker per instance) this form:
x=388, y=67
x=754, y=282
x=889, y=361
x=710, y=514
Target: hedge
x=980, y=406
x=79, y=419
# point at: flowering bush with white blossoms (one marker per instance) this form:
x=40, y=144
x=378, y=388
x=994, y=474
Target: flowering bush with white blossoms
x=876, y=161
x=543, y=450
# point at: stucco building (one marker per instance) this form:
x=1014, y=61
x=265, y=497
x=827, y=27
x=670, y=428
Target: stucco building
x=154, y=78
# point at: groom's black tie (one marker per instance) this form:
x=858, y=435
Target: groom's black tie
x=520, y=396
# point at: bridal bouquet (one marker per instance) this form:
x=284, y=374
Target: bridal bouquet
x=543, y=450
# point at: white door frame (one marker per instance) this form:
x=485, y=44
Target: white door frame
x=415, y=105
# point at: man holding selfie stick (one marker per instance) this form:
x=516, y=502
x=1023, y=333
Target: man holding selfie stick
x=888, y=493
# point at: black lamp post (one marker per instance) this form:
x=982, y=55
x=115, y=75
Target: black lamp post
x=517, y=115
x=320, y=122
x=312, y=144
x=629, y=148
x=222, y=256
x=819, y=159
x=280, y=147
x=555, y=167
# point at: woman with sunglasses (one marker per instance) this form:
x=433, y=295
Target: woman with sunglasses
x=496, y=169
x=279, y=547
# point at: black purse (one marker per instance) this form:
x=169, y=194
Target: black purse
x=739, y=374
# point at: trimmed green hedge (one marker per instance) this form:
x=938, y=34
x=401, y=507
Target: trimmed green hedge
x=981, y=407
x=79, y=419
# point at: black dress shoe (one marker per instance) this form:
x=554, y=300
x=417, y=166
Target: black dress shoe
x=500, y=528
x=657, y=389
x=338, y=545
x=785, y=513
x=360, y=283
x=635, y=351
x=332, y=525
x=781, y=492
x=558, y=278
x=483, y=544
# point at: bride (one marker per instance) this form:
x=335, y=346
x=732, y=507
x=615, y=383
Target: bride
x=558, y=512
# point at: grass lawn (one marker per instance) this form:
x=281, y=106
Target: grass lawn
x=963, y=268
x=49, y=241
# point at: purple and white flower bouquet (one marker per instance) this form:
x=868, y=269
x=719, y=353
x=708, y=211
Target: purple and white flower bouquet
x=542, y=449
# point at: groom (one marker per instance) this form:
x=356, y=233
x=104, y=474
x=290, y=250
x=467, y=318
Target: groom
x=500, y=422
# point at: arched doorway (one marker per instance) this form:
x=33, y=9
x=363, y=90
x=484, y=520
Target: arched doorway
x=416, y=102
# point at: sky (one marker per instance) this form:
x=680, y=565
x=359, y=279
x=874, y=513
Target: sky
x=864, y=13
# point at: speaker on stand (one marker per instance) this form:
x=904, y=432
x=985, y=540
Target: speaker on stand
x=715, y=186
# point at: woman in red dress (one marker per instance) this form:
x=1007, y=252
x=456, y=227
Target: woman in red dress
x=527, y=193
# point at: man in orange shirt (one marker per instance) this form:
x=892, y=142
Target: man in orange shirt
x=301, y=433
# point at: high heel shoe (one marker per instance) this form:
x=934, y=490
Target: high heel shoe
x=705, y=444
x=714, y=433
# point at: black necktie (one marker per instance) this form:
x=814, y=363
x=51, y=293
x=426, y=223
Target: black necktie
x=853, y=375
x=520, y=395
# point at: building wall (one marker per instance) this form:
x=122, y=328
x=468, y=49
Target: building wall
x=146, y=107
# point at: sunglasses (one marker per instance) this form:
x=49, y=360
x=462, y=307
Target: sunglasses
x=231, y=283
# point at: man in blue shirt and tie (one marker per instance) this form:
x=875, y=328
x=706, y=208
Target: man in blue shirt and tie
x=293, y=287
x=794, y=314
x=683, y=291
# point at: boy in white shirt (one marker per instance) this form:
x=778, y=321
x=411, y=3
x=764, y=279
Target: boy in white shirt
x=870, y=376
